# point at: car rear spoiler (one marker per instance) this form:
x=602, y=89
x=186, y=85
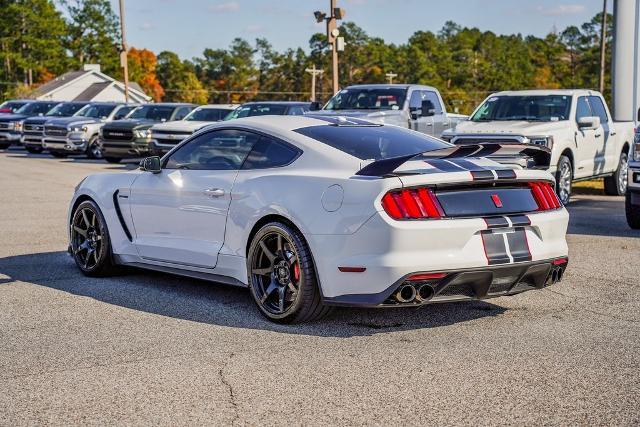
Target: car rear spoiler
x=527, y=156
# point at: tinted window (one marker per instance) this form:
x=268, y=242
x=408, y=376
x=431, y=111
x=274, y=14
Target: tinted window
x=217, y=150
x=418, y=96
x=156, y=113
x=207, y=114
x=257, y=110
x=269, y=153
x=428, y=95
x=65, y=110
x=295, y=111
x=96, y=111
x=122, y=113
x=373, y=142
x=598, y=108
x=11, y=106
x=359, y=98
x=36, y=108
x=582, y=108
x=542, y=108
x=182, y=113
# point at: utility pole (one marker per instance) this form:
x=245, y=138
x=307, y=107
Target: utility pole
x=390, y=76
x=336, y=43
x=603, y=44
x=123, y=55
x=314, y=72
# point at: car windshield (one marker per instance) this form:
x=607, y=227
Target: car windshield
x=11, y=106
x=368, y=99
x=373, y=142
x=157, y=113
x=96, y=111
x=257, y=110
x=35, y=108
x=65, y=110
x=207, y=114
x=534, y=108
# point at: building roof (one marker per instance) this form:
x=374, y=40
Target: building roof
x=90, y=92
x=58, y=82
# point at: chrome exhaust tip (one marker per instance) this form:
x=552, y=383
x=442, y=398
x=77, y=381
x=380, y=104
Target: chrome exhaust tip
x=554, y=276
x=424, y=293
x=560, y=274
x=405, y=294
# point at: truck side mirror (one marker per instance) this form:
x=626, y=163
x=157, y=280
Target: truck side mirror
x=315, y=106
x=428, y=109
x=151, y=164
x=416, y=113
x=589, y=122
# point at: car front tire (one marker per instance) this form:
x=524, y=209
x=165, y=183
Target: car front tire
x=282, y=277
x=616, y=184
x=633, y=212
x=4, y=146
x=564, y=176
x=90, y=243
x=94, y=151
x=33, y=149
x=113, y=160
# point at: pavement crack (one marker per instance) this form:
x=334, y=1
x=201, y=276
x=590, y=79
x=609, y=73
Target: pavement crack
x=232, y=396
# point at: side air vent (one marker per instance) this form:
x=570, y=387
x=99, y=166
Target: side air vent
x=116, y=204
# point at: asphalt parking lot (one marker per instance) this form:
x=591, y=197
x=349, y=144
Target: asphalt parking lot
x=147, y=348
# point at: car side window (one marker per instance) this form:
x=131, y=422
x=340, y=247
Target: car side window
x=182, y=113
x=122, y=112
x=217, y=150
x=428, y=95
x=295, y=111
x=415, y=102
x=582, y=108
x=598, y=108
x=270, y=153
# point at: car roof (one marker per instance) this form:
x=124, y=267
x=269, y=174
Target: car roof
x=542, y=92
x=276, y=103
x=231, y=106
x=390, y=86
x=169, y=104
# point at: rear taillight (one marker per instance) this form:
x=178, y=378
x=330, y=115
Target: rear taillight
x=416, y=203
x=544, y=195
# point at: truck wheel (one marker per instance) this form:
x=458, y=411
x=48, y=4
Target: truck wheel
x=33, y=149
x=4, y=146
x=113, y=159
x=564, y=175
x=58, y=154
x=633, y=212
x=616, y=184
x=94, y=150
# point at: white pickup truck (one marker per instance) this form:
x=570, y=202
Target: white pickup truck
x=575, y=125
x=416, y=107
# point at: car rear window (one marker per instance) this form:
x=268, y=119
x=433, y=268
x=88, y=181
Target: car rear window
x=373, y=142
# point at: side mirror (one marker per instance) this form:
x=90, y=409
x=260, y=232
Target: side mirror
x=151, y=164
x=428, y=109
x=315, y=106
x=590, y=122
x=638, y=115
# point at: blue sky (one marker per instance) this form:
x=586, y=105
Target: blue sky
x=187, y=27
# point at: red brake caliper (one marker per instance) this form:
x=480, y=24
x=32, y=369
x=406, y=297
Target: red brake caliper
x=296, y=271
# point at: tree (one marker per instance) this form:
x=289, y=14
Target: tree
x=142, y=69
x=179, y=80
x=94, y=35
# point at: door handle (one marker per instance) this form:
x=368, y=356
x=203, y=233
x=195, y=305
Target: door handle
x=214, y=192
x=598, y=135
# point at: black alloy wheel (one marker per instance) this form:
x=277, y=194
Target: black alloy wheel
x=282, y=277
x=90, y=244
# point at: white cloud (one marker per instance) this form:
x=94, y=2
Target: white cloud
x=230, y=6
x=562, y=9
x=255, y=28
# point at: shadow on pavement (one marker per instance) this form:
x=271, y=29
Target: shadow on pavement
x=601, y=216
x=217, y=304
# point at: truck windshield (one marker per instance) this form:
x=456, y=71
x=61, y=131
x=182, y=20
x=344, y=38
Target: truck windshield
x=96, y=111
x=384, y=98
x=152, y=112
x=35, y=108
x=65, y=110
x=536, y=108
x=207, y=114
x=251, y=110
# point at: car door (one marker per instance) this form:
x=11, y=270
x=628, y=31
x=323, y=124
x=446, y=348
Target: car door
x=179, y=214
x=417, y=120
x=585, y=141
x=606, y=155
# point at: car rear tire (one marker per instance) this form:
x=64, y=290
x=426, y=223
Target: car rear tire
x=113, y=159
x=90, y=243
x=58, y=154
x=4, y=146
x=564, y=176
x=33, y=149
x=616, y=184
x=282, y=277
x=94, y=150
x=633, y=212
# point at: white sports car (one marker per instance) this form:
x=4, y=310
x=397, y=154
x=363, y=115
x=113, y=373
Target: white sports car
x=311, y=212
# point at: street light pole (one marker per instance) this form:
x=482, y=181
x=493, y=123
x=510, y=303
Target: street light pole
x=603, y=43
x=123, y=55
x=331, y=25
x=314, y=72
x=390, y=76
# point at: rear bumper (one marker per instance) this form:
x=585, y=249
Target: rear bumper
x=125, y=149
x=466, y=285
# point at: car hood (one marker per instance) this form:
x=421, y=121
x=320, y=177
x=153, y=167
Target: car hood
x=37, y=120
x=130, y=124
x=12, y=117
x=373, y=115
x=181, y=126
x=523, y=128
x=65, y=121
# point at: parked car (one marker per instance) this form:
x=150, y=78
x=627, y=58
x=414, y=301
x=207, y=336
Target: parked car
x=415, y=107
x=13, y=105
x=270, y=108
x=311, y=212
x=33, y=127
x=632, y=198
x=11, y=124
x=165, y=136
x=78, y=134
x=131, y=137
x=575, y=125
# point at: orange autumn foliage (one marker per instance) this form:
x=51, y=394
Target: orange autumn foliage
x=142, y=69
